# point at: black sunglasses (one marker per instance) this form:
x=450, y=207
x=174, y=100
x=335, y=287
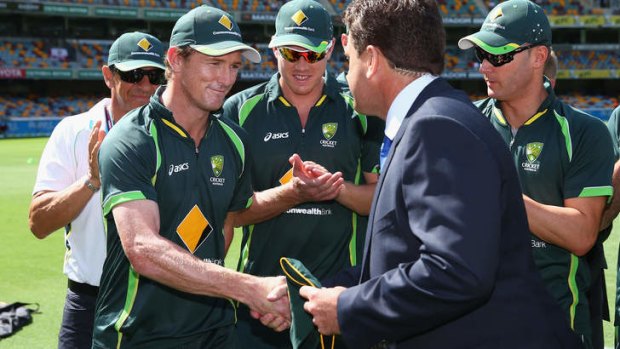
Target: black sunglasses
x=499, y=60
x=156, y=76
x=293, y=55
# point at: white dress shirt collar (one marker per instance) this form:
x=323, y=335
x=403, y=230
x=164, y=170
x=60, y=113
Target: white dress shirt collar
x=403, y=101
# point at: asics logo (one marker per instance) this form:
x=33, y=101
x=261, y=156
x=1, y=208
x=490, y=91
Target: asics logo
x=269, y=136
x=178, y=168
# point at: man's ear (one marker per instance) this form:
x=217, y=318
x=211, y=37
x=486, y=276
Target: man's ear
x=107, y=76
x=540, y=53
x=374, y=60
x=173, y=58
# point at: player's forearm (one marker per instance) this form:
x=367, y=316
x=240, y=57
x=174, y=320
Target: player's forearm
x=565, y=227
x=357, y=198
x=50, y=211
x=167, y=263
x=266, y=205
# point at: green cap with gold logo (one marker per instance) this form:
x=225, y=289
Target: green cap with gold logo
x=136, y=50
x=304, y=23
x=211, y=31
x=510, y=25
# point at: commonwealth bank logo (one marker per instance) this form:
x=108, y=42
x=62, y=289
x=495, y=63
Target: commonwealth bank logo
x=217, y=164
x=299, y=17
x=226, y=22
x=194, y=229
x=496, y=14
x=145, y=44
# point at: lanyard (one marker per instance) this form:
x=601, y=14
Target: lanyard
x=108, y=120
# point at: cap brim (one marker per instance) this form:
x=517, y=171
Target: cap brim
x=135, y=64
x=488, y=41
x=226, y=47
x=312, y=44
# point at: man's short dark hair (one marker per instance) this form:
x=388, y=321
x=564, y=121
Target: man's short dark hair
x=184, y=52
x=551, y=65
x=409, y=33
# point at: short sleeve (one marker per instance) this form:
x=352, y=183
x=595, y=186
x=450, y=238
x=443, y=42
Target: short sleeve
x=57, y=167
x=127, y=165
x=592, y=162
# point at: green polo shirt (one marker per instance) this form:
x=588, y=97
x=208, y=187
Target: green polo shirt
x=560, y=153
x=148, y=156
x=325, y=236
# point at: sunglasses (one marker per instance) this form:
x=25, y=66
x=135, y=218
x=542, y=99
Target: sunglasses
x=156, y=76
x=499, y=60
x=293, y=56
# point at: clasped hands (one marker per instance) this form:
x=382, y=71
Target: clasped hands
x=312, y=182
x=273, y=310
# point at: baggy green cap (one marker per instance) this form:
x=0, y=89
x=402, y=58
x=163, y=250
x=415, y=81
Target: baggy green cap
x=211, y=31
x=303, y=333
x=136, y=50
x=304, y=23
x=510, y=25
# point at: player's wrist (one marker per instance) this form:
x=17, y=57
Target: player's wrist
x=92, y=185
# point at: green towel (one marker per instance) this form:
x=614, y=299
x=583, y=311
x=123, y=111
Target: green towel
x=304, y=334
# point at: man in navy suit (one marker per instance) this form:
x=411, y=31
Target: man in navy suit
x=447, y=261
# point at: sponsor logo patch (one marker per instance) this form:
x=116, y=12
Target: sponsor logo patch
x=226, y=22
x=299, y=17
x=145, y=44
x=194, y=229
x=178, y=168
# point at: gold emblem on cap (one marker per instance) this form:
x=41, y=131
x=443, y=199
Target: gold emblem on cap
x=145, y=44
x=496, y=14
x=226, y=22
x=299, y=17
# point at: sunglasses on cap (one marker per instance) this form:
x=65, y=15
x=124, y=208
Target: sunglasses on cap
x=499, y=60
x=292, y=55
x=156, y=76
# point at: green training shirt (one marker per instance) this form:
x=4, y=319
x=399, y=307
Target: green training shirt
x=148, y=156
x=560, y=153
x=323, y=235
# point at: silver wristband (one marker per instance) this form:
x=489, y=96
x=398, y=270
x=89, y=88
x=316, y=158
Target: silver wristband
x=90, y=186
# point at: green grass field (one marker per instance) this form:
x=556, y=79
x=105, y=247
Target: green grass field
x=31, y=270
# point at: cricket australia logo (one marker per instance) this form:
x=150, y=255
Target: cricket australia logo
x=532, y=153
x=217, y=164
x=329, y=131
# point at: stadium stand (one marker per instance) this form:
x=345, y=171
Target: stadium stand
x=34, y=105
x=38, y=41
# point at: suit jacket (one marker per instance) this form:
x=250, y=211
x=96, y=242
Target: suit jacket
x=447, y=260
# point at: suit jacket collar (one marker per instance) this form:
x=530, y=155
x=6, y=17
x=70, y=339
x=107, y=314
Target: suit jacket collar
x=433, y=88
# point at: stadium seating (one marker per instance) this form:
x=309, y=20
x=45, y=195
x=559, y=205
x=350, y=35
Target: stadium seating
x=600, y=59
x=36, y=53
x=459, y=8
x=34, y=105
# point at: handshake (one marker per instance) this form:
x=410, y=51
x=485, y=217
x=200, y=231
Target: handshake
x=269, y=303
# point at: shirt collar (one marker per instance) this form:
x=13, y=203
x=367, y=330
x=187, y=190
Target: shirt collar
x=331, y=87
x=403, y=101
